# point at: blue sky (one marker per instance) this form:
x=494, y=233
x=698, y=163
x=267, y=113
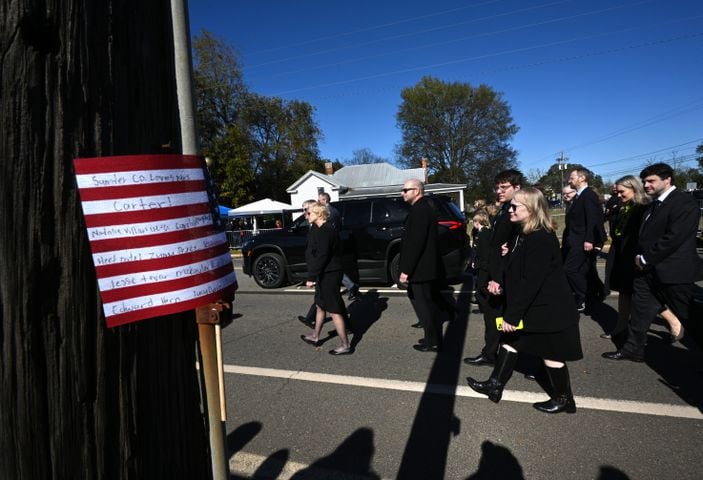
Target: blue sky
x=614, y=84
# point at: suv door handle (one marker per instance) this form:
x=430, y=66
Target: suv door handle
x=382, y=229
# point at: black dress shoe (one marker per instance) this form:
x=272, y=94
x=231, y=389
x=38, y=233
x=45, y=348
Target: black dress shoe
x=310, y=341
x=622, y=355
x=417, y=325
x=479, y=360
x=531, y=376
x=422, y=347
x=304, y=321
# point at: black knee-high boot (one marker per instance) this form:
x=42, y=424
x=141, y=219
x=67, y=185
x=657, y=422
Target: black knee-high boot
x=563, y=399
x=503, y=369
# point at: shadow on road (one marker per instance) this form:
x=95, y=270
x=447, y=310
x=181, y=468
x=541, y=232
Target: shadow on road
x=497, y=462
x=241, y=436
x=425, y=454
x=364, y=312
x=352, y=457
x=611, y=473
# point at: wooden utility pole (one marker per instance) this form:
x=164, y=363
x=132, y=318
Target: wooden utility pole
x=84, y=78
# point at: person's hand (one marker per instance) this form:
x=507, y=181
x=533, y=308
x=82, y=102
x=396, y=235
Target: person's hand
x=403, y=278
x=309, y=284
x=494, y=288
x=638, y=262
x=504, y=249
x=508, y=327
x=587, y=246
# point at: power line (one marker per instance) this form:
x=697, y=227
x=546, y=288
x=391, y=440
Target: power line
x=415, y=33
x=496, y=54
x=374, y=27
x=660, y=117
x=471, y=37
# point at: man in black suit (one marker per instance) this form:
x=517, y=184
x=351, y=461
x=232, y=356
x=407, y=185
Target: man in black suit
x=506, y=184
x=583, y=237
x=421, y=264
x=667, y=262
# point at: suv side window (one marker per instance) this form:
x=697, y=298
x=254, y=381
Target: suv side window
x=389, y=211
x=356, y=213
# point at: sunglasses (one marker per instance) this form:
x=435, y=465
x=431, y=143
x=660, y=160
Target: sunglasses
x=513, y=207
x=406, y=190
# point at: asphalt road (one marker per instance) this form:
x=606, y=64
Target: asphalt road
x=388, y=411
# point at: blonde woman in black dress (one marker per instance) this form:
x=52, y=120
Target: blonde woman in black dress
x=325, y=274
x=540, y=316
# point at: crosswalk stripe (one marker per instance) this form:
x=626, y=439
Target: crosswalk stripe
x=592, y=403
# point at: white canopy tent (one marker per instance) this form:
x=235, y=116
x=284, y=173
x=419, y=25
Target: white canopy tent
x=260, y=207
x=260, y=215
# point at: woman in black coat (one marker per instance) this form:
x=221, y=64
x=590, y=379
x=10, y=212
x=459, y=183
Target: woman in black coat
x=540, y=316
x=621, y=258
x=325, y=274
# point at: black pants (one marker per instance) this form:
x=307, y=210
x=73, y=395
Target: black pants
x=425, y=298
x=648, y=298
x=579, y=267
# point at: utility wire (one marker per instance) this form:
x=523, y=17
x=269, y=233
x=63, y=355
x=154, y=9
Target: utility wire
x=495, y=54
x=412, y=34
x=374, y=27
x=470, y=37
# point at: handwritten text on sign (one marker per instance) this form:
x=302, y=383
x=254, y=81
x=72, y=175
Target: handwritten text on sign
x=155, y=246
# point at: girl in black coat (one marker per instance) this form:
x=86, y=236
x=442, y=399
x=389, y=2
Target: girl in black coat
x=325, y=274
x=540, y=315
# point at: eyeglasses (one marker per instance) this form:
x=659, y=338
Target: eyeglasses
x=406, y=190
x=503, y=188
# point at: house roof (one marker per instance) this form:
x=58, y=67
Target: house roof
x=375, y=174
x=312, y=173
x=373, y=180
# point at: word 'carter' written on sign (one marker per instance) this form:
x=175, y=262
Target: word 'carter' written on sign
x=155, y=246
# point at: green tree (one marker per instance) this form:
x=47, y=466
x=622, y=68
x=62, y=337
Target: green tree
x=219, y=87
x=281, y=143
x=463, y=131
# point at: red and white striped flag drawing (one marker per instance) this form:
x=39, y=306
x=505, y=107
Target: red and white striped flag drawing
x=155, y=246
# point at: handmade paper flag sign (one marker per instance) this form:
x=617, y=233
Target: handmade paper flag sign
x=156, y=245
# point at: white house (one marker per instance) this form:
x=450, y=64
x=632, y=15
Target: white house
x=363, y=181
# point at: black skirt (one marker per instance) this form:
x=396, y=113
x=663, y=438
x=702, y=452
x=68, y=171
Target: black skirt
x=561, y=346
x=327, y=294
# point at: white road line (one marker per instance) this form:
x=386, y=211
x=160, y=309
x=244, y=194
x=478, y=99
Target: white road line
x=247, y=464
x=603, y=404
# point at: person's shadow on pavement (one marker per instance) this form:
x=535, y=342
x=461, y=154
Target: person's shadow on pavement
x=364, y=312
x=497, y=462
x=352, y=457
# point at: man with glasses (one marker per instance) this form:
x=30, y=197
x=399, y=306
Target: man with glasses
x=507, y=183
x=421, y=266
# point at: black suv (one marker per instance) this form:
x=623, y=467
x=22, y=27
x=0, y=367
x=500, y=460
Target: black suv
x=371, y=233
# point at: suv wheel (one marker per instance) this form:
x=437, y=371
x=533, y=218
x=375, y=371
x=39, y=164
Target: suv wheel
x=394, y=270
x=268, y=270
